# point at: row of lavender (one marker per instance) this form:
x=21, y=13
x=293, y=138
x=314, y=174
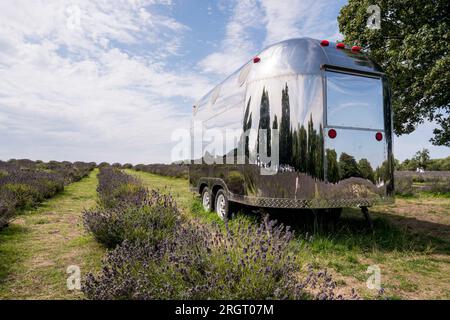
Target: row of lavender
x=407, y=183
x=156, y=252
x=25, y=183
x=126, y=210
x=168, y=170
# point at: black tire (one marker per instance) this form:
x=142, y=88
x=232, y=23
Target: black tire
x=206, y=193
x=222, y=205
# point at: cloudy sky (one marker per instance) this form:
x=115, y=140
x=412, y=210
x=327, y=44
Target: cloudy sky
x=110, y=80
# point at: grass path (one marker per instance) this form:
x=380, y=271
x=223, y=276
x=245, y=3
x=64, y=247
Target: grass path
x=179, y=188
x=411, y=243
x=38, y=246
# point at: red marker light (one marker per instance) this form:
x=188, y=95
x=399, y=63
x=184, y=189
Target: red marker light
x=332, y=133
x=356, y=48
x=324, y=43
x=256, y=59
x=379, y=136
x=340, y=45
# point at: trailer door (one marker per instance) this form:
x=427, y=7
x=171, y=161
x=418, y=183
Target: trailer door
x=355, y=139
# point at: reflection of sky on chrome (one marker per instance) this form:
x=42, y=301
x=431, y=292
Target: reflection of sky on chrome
x=354, y=101
x=359, y=144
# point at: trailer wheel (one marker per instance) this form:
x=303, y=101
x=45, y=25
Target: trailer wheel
x=222, y=205
x=206, y=199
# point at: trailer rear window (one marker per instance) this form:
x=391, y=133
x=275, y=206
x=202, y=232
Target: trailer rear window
x=354, y=101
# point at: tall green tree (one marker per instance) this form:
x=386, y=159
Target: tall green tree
x=247, y=125
x=439, y=164
x=422, y=158
x=382, y=173
x=264, y=123
x=294, y=159
x=348, y=167
x=366, y=170
x=285, y=128
x=408, y=165
x=332, y=166
x=275, y=123
x=320, y=154
x=315, y=152
x=413, y=47
x=303, y=149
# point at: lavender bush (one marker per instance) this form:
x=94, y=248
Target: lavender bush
x=169, y=170
x=152, y=220
x=408, y=183
x=116, y=188
x=25, y=183
x=159, y=255
x=128, y=211
x=204, y=262
x=404, y=186
x=7, y=206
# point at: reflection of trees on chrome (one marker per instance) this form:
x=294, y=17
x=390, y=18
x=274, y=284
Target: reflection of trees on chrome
x=366, y=170
x=301, y=148
x=332, y=166
x=285, y=128
x=247, y=126
x=348, y=167
x=264, y=124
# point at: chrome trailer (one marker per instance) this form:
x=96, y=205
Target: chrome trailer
x=331, y=109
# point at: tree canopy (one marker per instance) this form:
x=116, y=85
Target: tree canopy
x=412, y=46
x=422, y=160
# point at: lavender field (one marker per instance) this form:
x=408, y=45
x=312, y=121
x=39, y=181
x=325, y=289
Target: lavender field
x=135, y=234
x=25, y=183
x=409, y=183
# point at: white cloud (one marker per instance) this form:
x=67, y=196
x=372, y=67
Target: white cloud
x=290, y=19
x=307, y=18
x=79, y=93
x=238, y=44
x=281, y=20
x=91, y=80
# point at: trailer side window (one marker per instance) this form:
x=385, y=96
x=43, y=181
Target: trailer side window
x=354, y=101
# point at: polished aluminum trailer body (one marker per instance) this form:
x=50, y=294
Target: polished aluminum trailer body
x=303, y=90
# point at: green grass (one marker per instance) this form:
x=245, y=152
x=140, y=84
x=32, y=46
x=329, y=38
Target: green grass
x=38, y=246
x=438, y=195
x=425, y=195
x=411, y=248
x=179, y=188
x=410, y=243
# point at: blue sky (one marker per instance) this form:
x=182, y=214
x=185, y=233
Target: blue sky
x=110, y=80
